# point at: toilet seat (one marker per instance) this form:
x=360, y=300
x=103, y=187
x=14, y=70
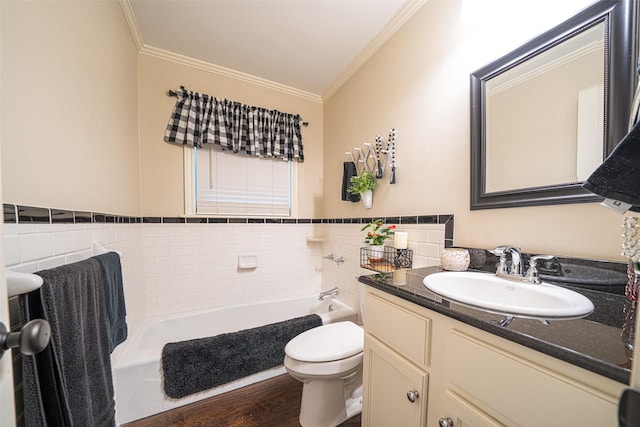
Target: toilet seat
x=336, y=369
x=327, y=343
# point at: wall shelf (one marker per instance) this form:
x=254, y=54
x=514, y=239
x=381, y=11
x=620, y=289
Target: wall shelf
x=391, y=259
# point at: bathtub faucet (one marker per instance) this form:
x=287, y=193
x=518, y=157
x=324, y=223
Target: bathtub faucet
x=333, y=291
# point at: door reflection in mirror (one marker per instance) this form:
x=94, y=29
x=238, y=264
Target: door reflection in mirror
x=544, y=117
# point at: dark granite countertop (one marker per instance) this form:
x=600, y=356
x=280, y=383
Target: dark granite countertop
x=593, y=343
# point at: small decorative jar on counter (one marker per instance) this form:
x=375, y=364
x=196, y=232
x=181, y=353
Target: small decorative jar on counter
x=455, y=259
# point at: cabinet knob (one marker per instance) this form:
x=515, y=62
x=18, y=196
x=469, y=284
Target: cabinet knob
x=445, y=422
x=413, y=395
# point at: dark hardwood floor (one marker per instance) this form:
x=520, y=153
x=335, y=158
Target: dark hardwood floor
x=271, y=403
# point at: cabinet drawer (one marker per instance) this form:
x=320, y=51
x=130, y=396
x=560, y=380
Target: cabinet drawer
x=518, y=391
x=403, y=330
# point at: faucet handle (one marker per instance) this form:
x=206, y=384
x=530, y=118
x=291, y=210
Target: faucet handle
x=501, y=252
x=532, y=273
x=502, y=266
x=535, y=258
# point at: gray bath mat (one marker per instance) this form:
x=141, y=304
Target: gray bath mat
x=196, y=365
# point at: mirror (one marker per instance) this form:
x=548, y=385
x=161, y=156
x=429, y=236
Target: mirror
x=544, y=116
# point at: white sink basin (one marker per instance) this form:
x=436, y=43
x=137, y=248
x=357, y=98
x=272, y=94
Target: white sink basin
x=488, y=292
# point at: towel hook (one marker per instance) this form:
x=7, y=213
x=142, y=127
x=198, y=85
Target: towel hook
x=350, y=154
x=380, y=155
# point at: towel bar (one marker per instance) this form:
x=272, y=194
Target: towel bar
x=21, y=283
x=98, y=249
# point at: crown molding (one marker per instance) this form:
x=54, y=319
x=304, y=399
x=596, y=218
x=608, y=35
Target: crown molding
x=130, y=17
x=406, y=11
x=401, y=17
x=227, y=72
x=145, y=49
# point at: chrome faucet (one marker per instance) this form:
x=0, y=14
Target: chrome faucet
x=338, y=260
x=516, y=260
x=517, y=268
x=333, y=291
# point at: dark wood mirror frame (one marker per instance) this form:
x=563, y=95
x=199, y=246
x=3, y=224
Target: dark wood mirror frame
x=620, y=18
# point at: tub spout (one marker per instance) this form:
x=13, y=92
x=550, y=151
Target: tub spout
x=333, y=291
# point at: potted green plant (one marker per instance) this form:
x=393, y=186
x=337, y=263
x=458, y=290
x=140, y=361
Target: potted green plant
x=376, y=235
x=364, y=184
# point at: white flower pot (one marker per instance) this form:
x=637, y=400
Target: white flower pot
x=375, y=252
x=367, y=198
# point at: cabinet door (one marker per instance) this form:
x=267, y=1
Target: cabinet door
x=395, y=390
x=519, y=391
x=461, y=413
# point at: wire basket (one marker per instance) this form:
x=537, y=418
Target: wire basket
x=391, y=259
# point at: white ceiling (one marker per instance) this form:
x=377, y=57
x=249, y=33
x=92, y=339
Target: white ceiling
x=308, y=45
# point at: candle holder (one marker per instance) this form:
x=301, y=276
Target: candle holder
x=455, y=259
x=402, y=259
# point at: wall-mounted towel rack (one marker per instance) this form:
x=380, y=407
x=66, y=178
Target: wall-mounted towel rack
x=378, y=155
x=98, y=249
x=21, y=283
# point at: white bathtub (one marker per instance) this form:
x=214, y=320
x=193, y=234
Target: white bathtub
x=136, y=366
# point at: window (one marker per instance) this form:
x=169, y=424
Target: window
x=225, y=183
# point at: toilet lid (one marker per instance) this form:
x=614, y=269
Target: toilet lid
x=333, y=341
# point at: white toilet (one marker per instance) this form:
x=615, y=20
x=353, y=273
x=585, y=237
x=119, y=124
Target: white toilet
x=328, y=361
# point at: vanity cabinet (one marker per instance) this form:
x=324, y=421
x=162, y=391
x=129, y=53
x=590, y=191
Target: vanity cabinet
x=396, y=385
x=468, y=377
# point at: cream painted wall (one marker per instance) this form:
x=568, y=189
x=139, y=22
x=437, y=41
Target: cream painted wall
x=76, y=147
x=162, y=163
x=69, y=102
x=419, y=84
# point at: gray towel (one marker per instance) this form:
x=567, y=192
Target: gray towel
x=618, y=177
x=197, y=365
x=70, y=384
x=113, y=298
x=43, y=401
x=349, y=170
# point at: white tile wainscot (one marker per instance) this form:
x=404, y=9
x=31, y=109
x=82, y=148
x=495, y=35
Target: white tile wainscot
x=195, y=266
x=34, y=247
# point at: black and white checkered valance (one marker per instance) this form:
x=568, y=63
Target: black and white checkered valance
x=199, y=119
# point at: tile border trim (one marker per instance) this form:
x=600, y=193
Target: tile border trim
x=21, y=214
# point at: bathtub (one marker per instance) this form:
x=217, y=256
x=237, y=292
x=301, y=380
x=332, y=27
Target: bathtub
x=136, y=364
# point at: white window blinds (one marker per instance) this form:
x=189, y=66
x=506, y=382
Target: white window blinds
x=232, y=184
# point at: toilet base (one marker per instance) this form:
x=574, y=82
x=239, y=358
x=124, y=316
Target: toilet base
x=328, y=403
x=354, y=404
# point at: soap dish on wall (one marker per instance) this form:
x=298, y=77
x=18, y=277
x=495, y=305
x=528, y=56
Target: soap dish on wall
x=247, y=261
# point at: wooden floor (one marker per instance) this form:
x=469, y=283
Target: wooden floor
x=271, y=403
